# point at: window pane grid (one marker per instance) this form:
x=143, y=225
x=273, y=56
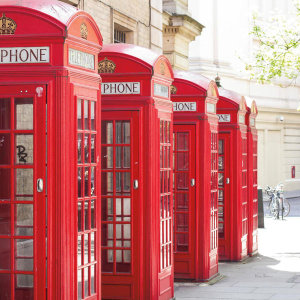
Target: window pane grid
x=165, y=196
x=87, y=195
x=214, y=192
x=116, y=197
x=221, y=188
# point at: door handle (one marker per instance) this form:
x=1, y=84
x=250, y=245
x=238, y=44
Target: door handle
x=135, y=184
x=227, y=180
x=193, y=182
x=40, y=185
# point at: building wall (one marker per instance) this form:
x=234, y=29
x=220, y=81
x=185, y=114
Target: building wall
x=220, y=49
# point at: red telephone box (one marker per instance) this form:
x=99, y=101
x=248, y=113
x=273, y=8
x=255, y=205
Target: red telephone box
x=137, y=198
x=252, y=180
x=232, y=177
x=195, y=177
x=49, y=148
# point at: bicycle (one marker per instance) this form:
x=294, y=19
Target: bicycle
x=278, y=205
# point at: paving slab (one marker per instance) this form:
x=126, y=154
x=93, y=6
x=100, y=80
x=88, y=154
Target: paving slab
x=273, y=274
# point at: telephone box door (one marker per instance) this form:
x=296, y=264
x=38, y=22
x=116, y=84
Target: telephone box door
x=120, y=204
x=22, y=192
x=184, y=205
x=224, y=196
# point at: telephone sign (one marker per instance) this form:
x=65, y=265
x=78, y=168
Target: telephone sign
x=184, y=106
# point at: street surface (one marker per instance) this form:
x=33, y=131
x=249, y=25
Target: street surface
x=273, y=274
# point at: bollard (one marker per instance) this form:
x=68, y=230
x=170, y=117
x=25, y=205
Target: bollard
x=260, y=209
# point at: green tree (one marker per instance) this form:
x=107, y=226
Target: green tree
x=276, y=54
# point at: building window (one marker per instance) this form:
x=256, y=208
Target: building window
x=119, y=36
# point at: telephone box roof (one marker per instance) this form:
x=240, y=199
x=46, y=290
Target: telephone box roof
x=195, y=78
x=62, y=12
x=144, y=54
x=230, y=96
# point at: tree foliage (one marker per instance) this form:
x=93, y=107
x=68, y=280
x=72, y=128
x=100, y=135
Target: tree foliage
x=277, y=51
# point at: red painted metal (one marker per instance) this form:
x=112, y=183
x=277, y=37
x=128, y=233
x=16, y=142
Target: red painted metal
x=233, y=182
x=137, y=204
x=54, y=85
x=252, y=179
x=196, y=157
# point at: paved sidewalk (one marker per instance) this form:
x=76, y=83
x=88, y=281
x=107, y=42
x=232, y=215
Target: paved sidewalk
x=273, y=274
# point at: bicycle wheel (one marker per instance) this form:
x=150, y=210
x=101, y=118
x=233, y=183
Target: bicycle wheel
x=285, y=207
x=274, y=208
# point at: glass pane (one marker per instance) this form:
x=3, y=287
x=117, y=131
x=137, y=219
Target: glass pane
x=5, y=184
x=86, y=182
x=106, y=261
x=93, y=279
x=24, y=149
x=5, y=148
x=86, y=148
x=86, y=115
x=92, y=181
x=4, y=219
x=93, y=237
x=24, y=248
x=124, y=258
x=182, y=242
x=92, y=214
x=86, y=249
x=221, y=162
x=79, y=280
x=107, y=157
x=107, y=183
x=24, y=113
x=182, y=181
x=24, y=264
x=86, y=215
x=182, y=141
x=93, y=141
x=93, y=127
x=107, y=132
x=79, y=250
x=119, y=132
x=107, y=235
x=24, y=182
x=4, y=113
x=182, y=161
x=5, y=285
x=5, y=254
x=221, y=147
x=118, y=157
x=24, y=219
x=220, y=179
x=79, y=178
x=126, y=157
x=79, y=216
x=107, y=209
x=126, y=132
x=79, y=148
x=79, y=115
x=24, y=281
x=86, y=282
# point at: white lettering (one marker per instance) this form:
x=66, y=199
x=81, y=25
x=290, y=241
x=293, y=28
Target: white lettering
x=161, y=90
x=22, y=55
x=120, y=88
x=184, y=106
x=81, y=59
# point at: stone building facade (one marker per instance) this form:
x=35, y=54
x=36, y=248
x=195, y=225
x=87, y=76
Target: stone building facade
x=165, y=26
x=220, y=49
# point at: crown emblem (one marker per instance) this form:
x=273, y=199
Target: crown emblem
x=84, y=31
x=106, y=66
x=7, y=25
x=173, y=89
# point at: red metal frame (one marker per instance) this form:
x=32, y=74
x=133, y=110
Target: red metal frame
x=196, y=97
x=56, y=84
x=252, y=180
x=231, y=109
x=149, y=108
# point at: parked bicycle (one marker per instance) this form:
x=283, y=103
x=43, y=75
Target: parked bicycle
x=278, y=205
